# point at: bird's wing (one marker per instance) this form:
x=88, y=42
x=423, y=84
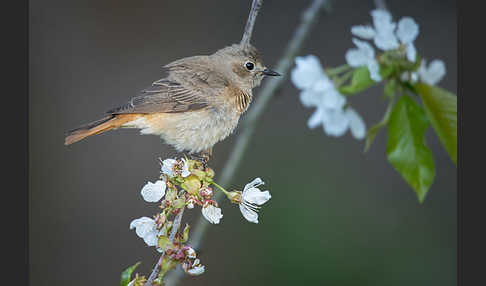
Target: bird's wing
x=164, y=96
x=168, y=95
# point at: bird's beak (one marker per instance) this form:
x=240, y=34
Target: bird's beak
x=270, y=72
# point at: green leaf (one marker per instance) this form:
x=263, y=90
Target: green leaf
x=127, y=273
x=164, y=243
x=192, y=184
x=373, y=131
x=185, y=236
x=361, y=80
x=441, y=108
x=406, y=149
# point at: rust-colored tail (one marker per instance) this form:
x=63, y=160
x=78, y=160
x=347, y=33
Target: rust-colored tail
x=99, y=126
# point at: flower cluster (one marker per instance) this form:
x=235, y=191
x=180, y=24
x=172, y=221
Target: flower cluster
x=188, y=183
x=318, y=90
x=395, y=38
x=324, y=89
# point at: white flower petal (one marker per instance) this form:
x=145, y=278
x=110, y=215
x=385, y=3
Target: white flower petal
x=434, y=73
x=131, y=282
x=361, y=56
x=382, y=19
x=309, y=98
x=151, y=238
x=256, y=196
x=355, y=57
x=255, y=183
x=196, y=262
x=337, y=123
x=407, y=30
x=411, y=52
x=333, y=99
x=356, y=123
x=153, y=192
x=386, y=41
x=212, y=214
x=374, y=70
x=168, y=167
x=365, y=32
x=143, y=226
x=316, y=118
x=365, y=47
x=249, y=214
x=198, y=270
x=185, y=169
x=307, y=71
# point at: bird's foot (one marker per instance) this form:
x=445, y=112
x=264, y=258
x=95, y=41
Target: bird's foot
x=202, y=157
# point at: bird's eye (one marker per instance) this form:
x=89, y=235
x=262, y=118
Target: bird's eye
x=249, y=66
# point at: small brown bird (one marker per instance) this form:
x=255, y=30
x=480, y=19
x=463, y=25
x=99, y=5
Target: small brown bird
x=197, y=104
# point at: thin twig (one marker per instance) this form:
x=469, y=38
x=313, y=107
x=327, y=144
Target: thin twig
x=175, y=227
x=255, y=7
x=270, y=87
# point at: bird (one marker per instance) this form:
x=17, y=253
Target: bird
x=197, y=104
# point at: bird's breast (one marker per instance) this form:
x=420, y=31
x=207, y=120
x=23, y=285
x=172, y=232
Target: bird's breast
x=192, y=131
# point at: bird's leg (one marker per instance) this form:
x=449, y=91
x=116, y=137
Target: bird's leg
x=202, y=156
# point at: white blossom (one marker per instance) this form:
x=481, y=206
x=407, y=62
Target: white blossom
x=145, y=228
x=433, y=73
x=307, y=71
x=212, y=214
x=322, y=94
x=387, y=35
x=252, y=198
x=384, y=38
x=153, y=192
x=168, y=167
x=364, y=55
x=407, y=32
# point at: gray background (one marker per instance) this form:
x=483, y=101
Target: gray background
x=337, y=216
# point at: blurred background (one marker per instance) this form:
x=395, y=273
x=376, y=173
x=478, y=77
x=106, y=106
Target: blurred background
x=353, y=222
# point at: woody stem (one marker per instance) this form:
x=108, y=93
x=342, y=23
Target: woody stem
x=175, y=227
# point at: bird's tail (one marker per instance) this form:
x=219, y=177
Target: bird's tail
x=104, y=124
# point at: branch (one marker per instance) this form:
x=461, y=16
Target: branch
x=255, y=7
x=309, y=18
x=380, y=4
x=175, y=228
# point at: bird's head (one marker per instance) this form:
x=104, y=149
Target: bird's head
x=242, y=65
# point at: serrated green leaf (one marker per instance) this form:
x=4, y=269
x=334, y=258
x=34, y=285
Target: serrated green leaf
x=373, y=131
x=406, y=149
x=127, y=274
x=441, y=108
x=361, y=80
